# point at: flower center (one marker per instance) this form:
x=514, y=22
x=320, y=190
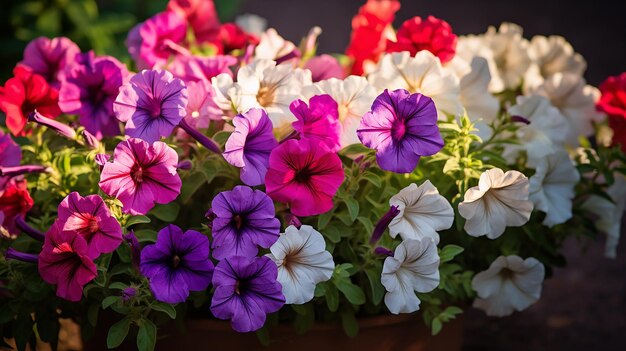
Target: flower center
x=92, y=225
x=507, y=273
x=96, y=95
x=175, y=261
x=195, y=114
x=398, y=130
x=136, y=173
x=303, y=175
x=237, y=287
x=238, y=221
x=266, y=95
x=343, y=112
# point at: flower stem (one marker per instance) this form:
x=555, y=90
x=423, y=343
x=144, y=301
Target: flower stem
x=201, y=138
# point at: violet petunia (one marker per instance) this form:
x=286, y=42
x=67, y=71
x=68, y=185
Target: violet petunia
x=89, y=88
x=319, y=120
x=177, y=263
x=64, y=261
x=49, y=57
x=243, y=219
x=141, y=175
x=250, y=145
x=246, y=290
x=10, y=156
x=195, y=68
x=90, y=217
x=401, y=127
x=153, y=42
x=304, y=174
x=151, y=104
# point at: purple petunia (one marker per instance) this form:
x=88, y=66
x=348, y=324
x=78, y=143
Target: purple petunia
x=250, y=145
x=151, y=104
x=48, y=57
x=90, y=86
x=10, y=156
x=318, y=121
x=246, y=290
x=244, y=219
x=401, y=127
x=177, y=263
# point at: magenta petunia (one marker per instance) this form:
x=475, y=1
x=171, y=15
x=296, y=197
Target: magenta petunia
x=90, y=217
x=49, y=57
x=141, y=175
x=152, y=42
x=250, y=145
x=318, y=121
x=196, y=68
x=324, y=67
x=401, y=127
x=151, y=104
x=304, y=174
x=89, y=89
x=246, y=290
x=10, y=156
x=64, y=261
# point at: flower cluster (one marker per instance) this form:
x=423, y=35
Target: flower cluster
x=444, y=170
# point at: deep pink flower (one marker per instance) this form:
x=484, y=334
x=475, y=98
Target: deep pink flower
x=90, y=217
x=318, y=121
x=432, y=34
x=49, y=57
x=324, y=67
x=151, y=43
x=64, y=261
x=10, y=156
x=250, y=145
x=141, y=175
x=151, y=104
x=194, y=68
x=89, y=89
x=201, y=16
x=14, y=201
x=305, y=174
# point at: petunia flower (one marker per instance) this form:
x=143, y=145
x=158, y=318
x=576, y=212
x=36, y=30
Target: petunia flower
x=64, y=261
x=176, y=264
x=201, y=16
x=90, y=217
x=250, y=145
x=10, y=156
x=272, y=46
x=354, y=96
x=243, y=220
x=49, y=57
x=23, y=94
x=15, y=201
x=423, y=212
x=264, y=84
x=201, y=108
x=246, y=290
x=414, y=267
x=191, y=68
x=58, y=127
x=302, y=261
x=151, y=104
x=304, y=174
x=499, y=200
x=554, y=54
x=432, y=34
x=141, y=175
x=613, y=102
x=401, y=127
x=552, y=187
x=89, y=88
x=510, y=284
x=420, y=74
x=324, y=67
x=318, y=120
x=231, y=37
x=151, y=43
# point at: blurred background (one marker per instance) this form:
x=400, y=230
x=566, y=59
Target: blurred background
x=583, y=306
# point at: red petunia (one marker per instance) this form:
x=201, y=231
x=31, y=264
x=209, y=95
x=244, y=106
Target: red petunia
x=432, y=34
x=200, y=15
x=368, y=38
x=613, y=103
x=15, y=201
x=232, y=37
x=24, y=93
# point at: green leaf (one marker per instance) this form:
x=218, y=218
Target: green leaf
x=377, y=288
x=118, y=285
x=92, y=314
x=165, y=308
x=448, y=252
x=191, y=184
x=110, y=300
x=333, y=234
x=332, y=297
x=436, y=326
x=352, y=292
x=354, y=149
x=137, y=220
x=372, y=178
x=118, y=332
x=349, y=323
x=166, y=213
x=146, y=336
x=304, y=320
x=146, y=235
x=263, y=335
x=353, y=207
x=23, y=331
x=323, y=219
x=367, y=224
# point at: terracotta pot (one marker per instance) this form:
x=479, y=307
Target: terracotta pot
x=382, y=333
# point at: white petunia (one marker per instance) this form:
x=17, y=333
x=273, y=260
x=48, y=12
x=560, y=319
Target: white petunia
x=500, y=200
x=272, y=46
x=263, y=84
x=552, y=187
x=354, y=97
x=413, y=267
x=545, y=133
x=510, y=284
x=423, y=212
x=554, y=54
x=609, y=214
x=576, y=100
x=251, y=23
x=302, y=261
x=420, y=74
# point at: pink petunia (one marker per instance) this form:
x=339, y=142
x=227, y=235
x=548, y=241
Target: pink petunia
x=141, y=175
x=90, y=217
x=201, y=108
x=195, y=68
x=49, y=57
x=201, y=16
x=304, y=174
x=152, y=43
x=318, y=121
x=64, y=261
